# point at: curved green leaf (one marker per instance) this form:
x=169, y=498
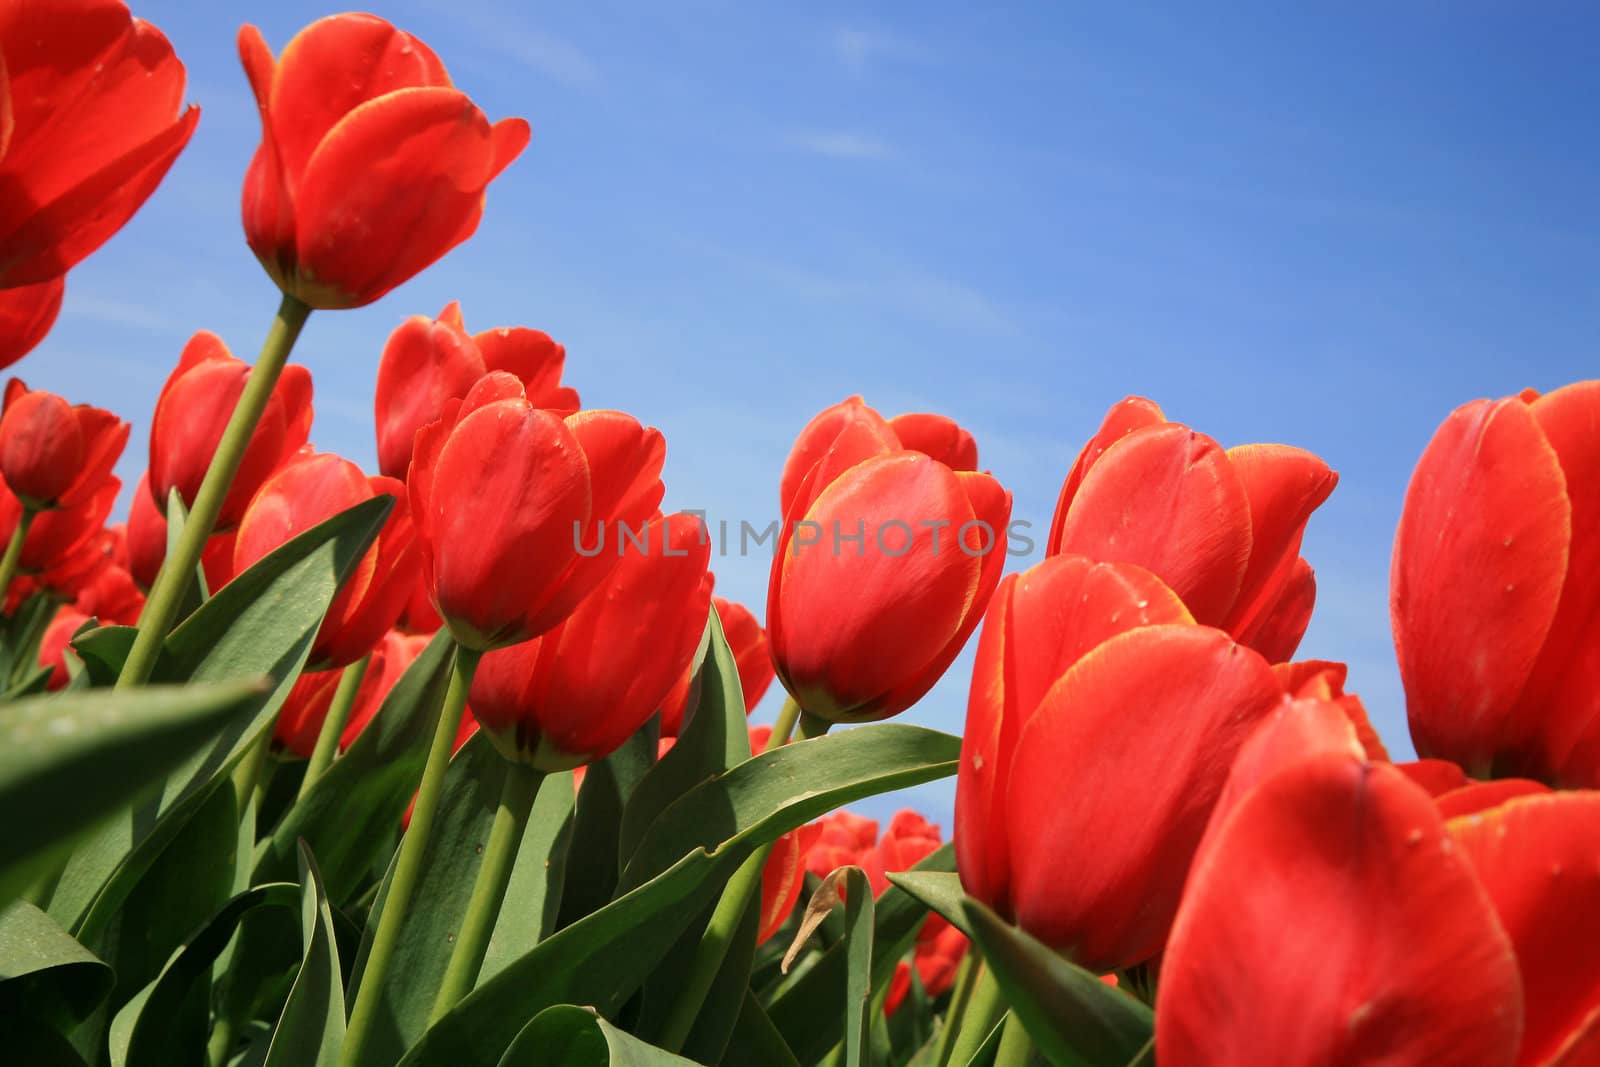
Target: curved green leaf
x=311, y=1028
x=44, y=973
x=939, y=891
x=592, y=865
x=569, y=1036
x=1075, y=1019
x=755, y=1039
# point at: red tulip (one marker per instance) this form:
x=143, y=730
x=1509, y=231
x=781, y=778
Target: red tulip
x=195, y=405
x=428, y=361
x=748, y=643
x=1322, y=680
x=582, y=689
x=1040, y=623
x=61, y=535
x=839, y=839
x=310, y=489
x=26, y=314
x=1106, y=795
x=147, y=543
x=1435, y=776
x=1475, y=797
x=306, y=707
x=909, y=839
x=1330, y=922
x=885, y=563
x=1222, y=528
x=515, y=508
x=92, y=118
x=1495, y=589
x=52, y=454
x=938, y=954
x=53, y=645
x=105, y=589
x=781, y=881
x=371, y=165
x=1536, y=857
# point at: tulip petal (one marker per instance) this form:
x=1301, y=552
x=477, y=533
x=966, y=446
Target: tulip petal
x=1478, y=567
x=1436, y=776
x=1284, y=486
x=535, y=358
x=781, y=880
x=1097, y=869
x=1536, y=856
x=625, y=461
x=1332, y=923
x=26, y=314
x=1282, y=624
x=1167, y=498
x=41, y=446
x=1129, y=414
x=424, y=363
x=1474, y=797
x=869, y=435
x=938, y=436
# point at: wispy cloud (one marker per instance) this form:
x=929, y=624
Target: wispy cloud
x=857, y=47
x=111, y=312
x=554, y=57
x=840, y=144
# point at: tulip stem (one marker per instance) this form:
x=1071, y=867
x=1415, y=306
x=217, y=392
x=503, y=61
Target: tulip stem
x=179, y=568
x=489, y=890
x=327, y=746
x=741, y=892
x=1016, y=1047
x=408, y=865
x=13, y=556
x=966, y=980
x=983, y=1010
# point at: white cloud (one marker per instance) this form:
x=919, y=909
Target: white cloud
x=841, y=144
x=857, y=47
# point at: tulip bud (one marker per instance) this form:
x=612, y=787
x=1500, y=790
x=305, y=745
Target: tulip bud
x=1495, y=588
x=92, y=119
x=515, y=508
x=52, y=454
x=26, y=314
x=193, y=410
x=371, y=165
x=839, y=839
x=565, y=699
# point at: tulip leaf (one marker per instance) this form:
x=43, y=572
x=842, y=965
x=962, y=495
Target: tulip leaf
x=71, y=759
x=755, y=1039
x=351, y=816
x=602, y=959
x=143, y=1034
x=311, y=1028
x=806, y=1011
x=1075, y=1019
x=20, y=636
x=102, y=651
x=713, y=738
x=940, y=891
x=44, y=974
x=592, y=866
x=467, y=805
x=261, y=623
x=858, y=937
x=570, y=1036
x=195, y=591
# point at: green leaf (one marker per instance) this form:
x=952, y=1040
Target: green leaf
x=806, y=1011
x=592, y=866
x=570, y=1036
x=755, y=1039
x=1075, y=1019
x=858, y=921
x=467, y=804
x=311, y=1028
x=351, y=816
x=44, y=974
x=177, y=517
x=939, y=891
x=20, y=636
x=714, y=738
x=142, y=1034
x=71, y=759
x=103, y=650
x=603, y=958
x=262, y=622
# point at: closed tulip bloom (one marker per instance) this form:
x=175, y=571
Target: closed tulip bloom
x=54, y=454
x=92, y=119
x=193, y=410
x=1330, y=921
x=560, y=701
x=1221, y=527
x=781, y=881
x=520, y=512
x=310, y=489
x=26, y=314
x=308, y=703
x=53, y=645
x=748, y=643
x=839, y=839
x=147, y=543
x=909, y=839
x=1495, y=589
x=883, y=568
x=428, y=361
x=371, y=164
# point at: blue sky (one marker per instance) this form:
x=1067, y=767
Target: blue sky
x=1322, y=229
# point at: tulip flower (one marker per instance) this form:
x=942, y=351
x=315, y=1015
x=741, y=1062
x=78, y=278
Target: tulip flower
x=192, y=412
x=428, y=361
x=26, y=314
x=147, y=543
x=60, y=541
x=908, y=840
x=560, y=701
x=92, y=118
x=521, y=513
x=1323, y=680
x=1221, y=527
x=54, y=454
x=300, y=721
x=782, y=878
x=839, y=839
x=53, y=645
x=1329, y=921
x=748, y=643
x=1495, y=589
x=1059, y=838
x=310, y=489
x=883, y=568
x=1475, y=797
x=371, y=164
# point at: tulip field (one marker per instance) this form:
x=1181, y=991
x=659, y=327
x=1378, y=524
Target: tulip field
x=449, y=763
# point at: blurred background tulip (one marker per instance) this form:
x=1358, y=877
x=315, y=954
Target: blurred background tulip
x=305, y=709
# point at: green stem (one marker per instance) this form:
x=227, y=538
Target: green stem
x=344, y=698
x=983, y=1010
x=1016, y=1047
x=408, y=866
x=811, y=726
x=737, y=896
x=220, y=1047
x=13, y=556
x=247, y=775
x=966, y=980
x=178, y=570
x=489, y=891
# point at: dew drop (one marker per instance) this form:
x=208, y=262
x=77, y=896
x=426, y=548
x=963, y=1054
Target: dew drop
x=1415, y=836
